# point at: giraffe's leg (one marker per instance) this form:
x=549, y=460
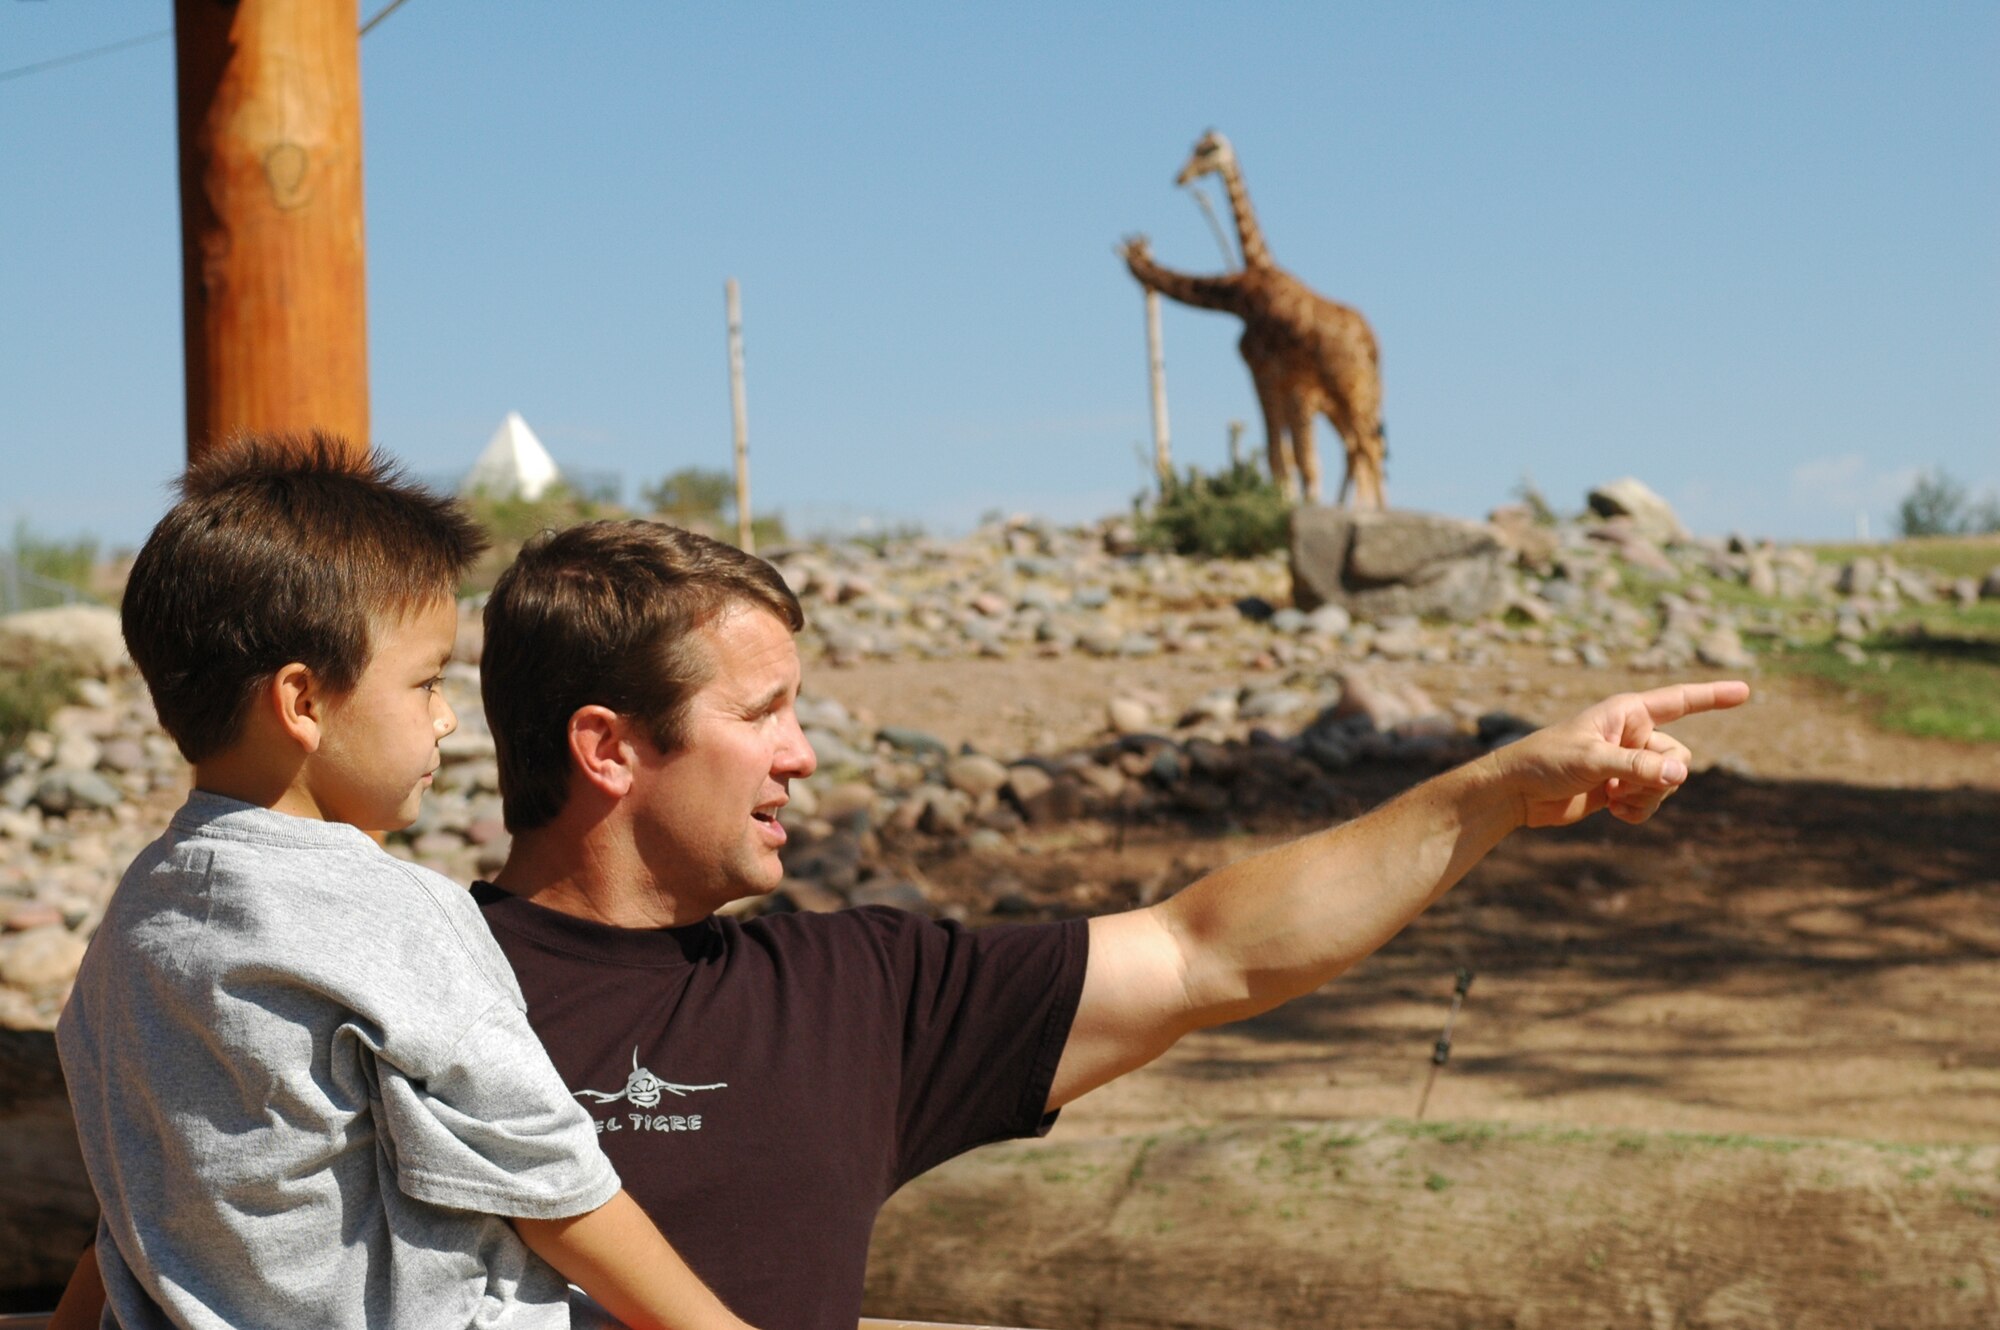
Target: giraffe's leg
x=1275, y=452
x=1299, y=424
x=1362, y=429
x=1373, y=454
x=1353, y=479
x=1367, y=449
x=1352, y=381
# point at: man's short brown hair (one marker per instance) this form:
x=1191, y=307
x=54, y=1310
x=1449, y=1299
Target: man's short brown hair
x=605, y=614
x=282, y=548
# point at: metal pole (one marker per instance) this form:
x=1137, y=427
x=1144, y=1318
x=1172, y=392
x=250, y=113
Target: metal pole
x=1156, y=364
x=272, y=258
x=740, y=413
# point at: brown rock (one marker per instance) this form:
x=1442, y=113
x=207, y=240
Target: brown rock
x=1129, y=715
x=975, y=774
x=31, y=915
x=842, y=801
x=41, y=957
x=810, y=897
x=1027, y=783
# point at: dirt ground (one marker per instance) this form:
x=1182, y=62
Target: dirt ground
x=1804, y=944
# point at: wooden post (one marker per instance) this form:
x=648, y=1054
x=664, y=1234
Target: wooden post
x=272, y=260
x=1156, y=365
x=739, y=412
x=1235, y=444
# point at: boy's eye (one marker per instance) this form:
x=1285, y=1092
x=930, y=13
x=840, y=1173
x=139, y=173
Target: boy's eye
x=435, y=682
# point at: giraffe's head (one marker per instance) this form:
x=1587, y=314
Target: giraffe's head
x=1210, y=157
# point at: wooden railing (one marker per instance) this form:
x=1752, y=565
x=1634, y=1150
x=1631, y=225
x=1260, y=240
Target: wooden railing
x=870, y=1323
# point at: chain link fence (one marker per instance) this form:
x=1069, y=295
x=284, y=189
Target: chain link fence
x=21, y=589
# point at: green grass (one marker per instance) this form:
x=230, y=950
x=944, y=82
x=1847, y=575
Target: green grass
x=1933, y=682
x=1959, y=556
x=1620, y=1141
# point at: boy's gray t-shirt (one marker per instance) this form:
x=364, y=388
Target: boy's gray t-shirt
x=306, y=1090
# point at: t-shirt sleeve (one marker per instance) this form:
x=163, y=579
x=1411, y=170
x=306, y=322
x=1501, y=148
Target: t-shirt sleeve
x=986, y=1014
x=492, y=1128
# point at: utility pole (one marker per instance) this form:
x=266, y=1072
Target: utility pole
x=272, y=255
x=740, y=417
x=1156, y=365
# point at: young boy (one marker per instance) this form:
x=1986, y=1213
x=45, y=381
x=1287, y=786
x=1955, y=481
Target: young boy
x=303, y=1083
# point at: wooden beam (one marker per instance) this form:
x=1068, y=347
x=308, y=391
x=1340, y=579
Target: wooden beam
x=272, y=257
x=871, y=1323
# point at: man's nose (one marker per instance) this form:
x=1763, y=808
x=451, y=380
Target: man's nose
x=796, y=758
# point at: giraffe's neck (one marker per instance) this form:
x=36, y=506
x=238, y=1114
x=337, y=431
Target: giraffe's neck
x=1223, y=293
x=1248, y=234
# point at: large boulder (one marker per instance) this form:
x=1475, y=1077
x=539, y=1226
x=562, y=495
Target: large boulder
x=89, y=634
x=1649, y=514
x=1376, y=564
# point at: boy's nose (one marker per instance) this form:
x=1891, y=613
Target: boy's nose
x=446, y=720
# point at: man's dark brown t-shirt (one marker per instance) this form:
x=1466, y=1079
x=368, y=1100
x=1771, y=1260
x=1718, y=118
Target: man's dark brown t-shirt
x=762, y=1087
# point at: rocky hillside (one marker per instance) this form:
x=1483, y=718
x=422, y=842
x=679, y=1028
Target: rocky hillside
x=1311, y=694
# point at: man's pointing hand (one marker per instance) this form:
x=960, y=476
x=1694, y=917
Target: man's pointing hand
x=1610, y=756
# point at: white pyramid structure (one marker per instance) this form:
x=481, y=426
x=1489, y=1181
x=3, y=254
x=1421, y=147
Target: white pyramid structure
x=514, y=464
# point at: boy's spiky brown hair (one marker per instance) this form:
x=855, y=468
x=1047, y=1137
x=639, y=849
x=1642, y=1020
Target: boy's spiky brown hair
x=282, y=548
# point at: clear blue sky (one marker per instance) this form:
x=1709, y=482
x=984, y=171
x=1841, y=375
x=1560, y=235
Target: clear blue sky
x=1749, y=253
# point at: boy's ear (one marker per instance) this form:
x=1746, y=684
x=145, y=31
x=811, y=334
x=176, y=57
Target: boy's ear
x=601, y=749
x=297, y=701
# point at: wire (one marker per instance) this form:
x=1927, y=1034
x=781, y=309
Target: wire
x=1228, y=254
x=385, y=11
x=79, y=56
x=91, y=54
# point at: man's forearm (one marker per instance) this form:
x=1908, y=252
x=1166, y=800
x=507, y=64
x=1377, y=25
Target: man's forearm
x=1279, y=924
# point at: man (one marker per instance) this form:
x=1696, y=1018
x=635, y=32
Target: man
x=763, y=1086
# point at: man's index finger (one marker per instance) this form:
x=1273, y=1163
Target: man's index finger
x=1688, y=699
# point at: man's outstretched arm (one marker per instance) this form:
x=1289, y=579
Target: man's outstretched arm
x=1279, y=924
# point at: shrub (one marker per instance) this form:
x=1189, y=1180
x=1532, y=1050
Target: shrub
x=34, y=681
x=1537, y=503
x=691, y=493
x=1234, y=514
x=510, y=521
x=706, y=501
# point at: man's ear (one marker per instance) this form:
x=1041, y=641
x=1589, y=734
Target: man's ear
x=602, y=750
x=297, y=699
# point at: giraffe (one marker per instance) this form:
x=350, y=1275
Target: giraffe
x=1307, y=355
